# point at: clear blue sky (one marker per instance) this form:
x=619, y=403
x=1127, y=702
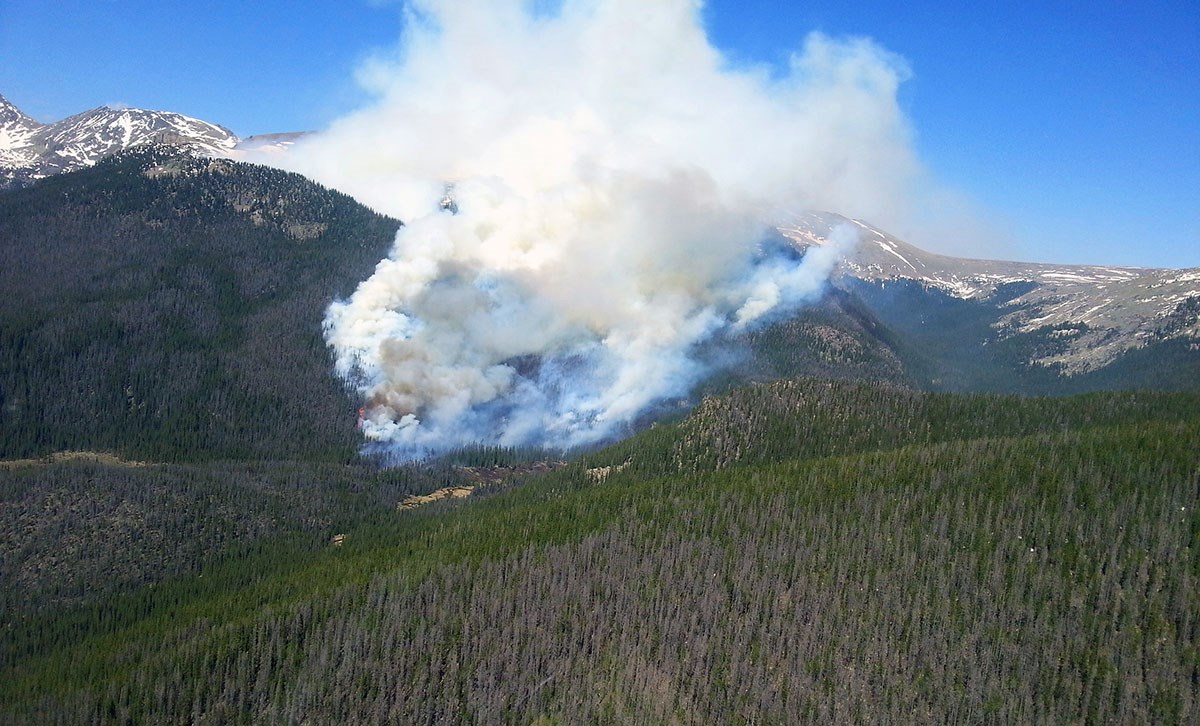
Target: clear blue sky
x=1074, y=126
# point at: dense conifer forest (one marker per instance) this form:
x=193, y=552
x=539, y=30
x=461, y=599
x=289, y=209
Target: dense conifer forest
x=188, y=534
x=164, y=307
x=1015, y=560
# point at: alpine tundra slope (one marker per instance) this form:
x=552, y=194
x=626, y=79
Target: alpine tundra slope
x=1071, y=319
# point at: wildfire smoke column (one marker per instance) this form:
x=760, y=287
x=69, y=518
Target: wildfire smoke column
x=611, y=180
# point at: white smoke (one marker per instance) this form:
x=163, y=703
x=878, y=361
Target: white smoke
x=612, y=185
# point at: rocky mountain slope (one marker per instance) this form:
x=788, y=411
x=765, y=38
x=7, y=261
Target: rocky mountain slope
x=1088, y=316
x=30, y=150
x=16, y=136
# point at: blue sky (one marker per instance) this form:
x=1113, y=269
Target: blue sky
x=1073, y=128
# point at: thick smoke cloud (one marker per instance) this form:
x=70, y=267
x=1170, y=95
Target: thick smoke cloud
x=587, y=197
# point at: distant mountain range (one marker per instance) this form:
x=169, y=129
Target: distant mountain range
x=925, y=319
x=30, y=150
x=1072, y=320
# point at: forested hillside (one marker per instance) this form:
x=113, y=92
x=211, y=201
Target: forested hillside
x=188, y=535
x=804, y=551
x=78, y=527
x=166, y=401
x=169, y=308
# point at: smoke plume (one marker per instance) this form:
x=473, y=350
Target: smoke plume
x=587, y=196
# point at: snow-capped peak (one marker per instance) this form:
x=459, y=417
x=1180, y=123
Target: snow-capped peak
x=17, y=133
x=13, y=117
x=29, y=150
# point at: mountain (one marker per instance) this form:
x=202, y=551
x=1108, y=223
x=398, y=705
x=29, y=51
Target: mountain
x=188, y=535
x=167, y=306
x=903, y=313
x=30, y=150
x=16, y=136
x=966, y=324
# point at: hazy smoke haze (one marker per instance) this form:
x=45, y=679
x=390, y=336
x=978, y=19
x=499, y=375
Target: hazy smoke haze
x=615, y=182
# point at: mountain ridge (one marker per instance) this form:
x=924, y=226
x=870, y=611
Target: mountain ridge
x=1098, y=312
x=1070, y=321
x=30, y=150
